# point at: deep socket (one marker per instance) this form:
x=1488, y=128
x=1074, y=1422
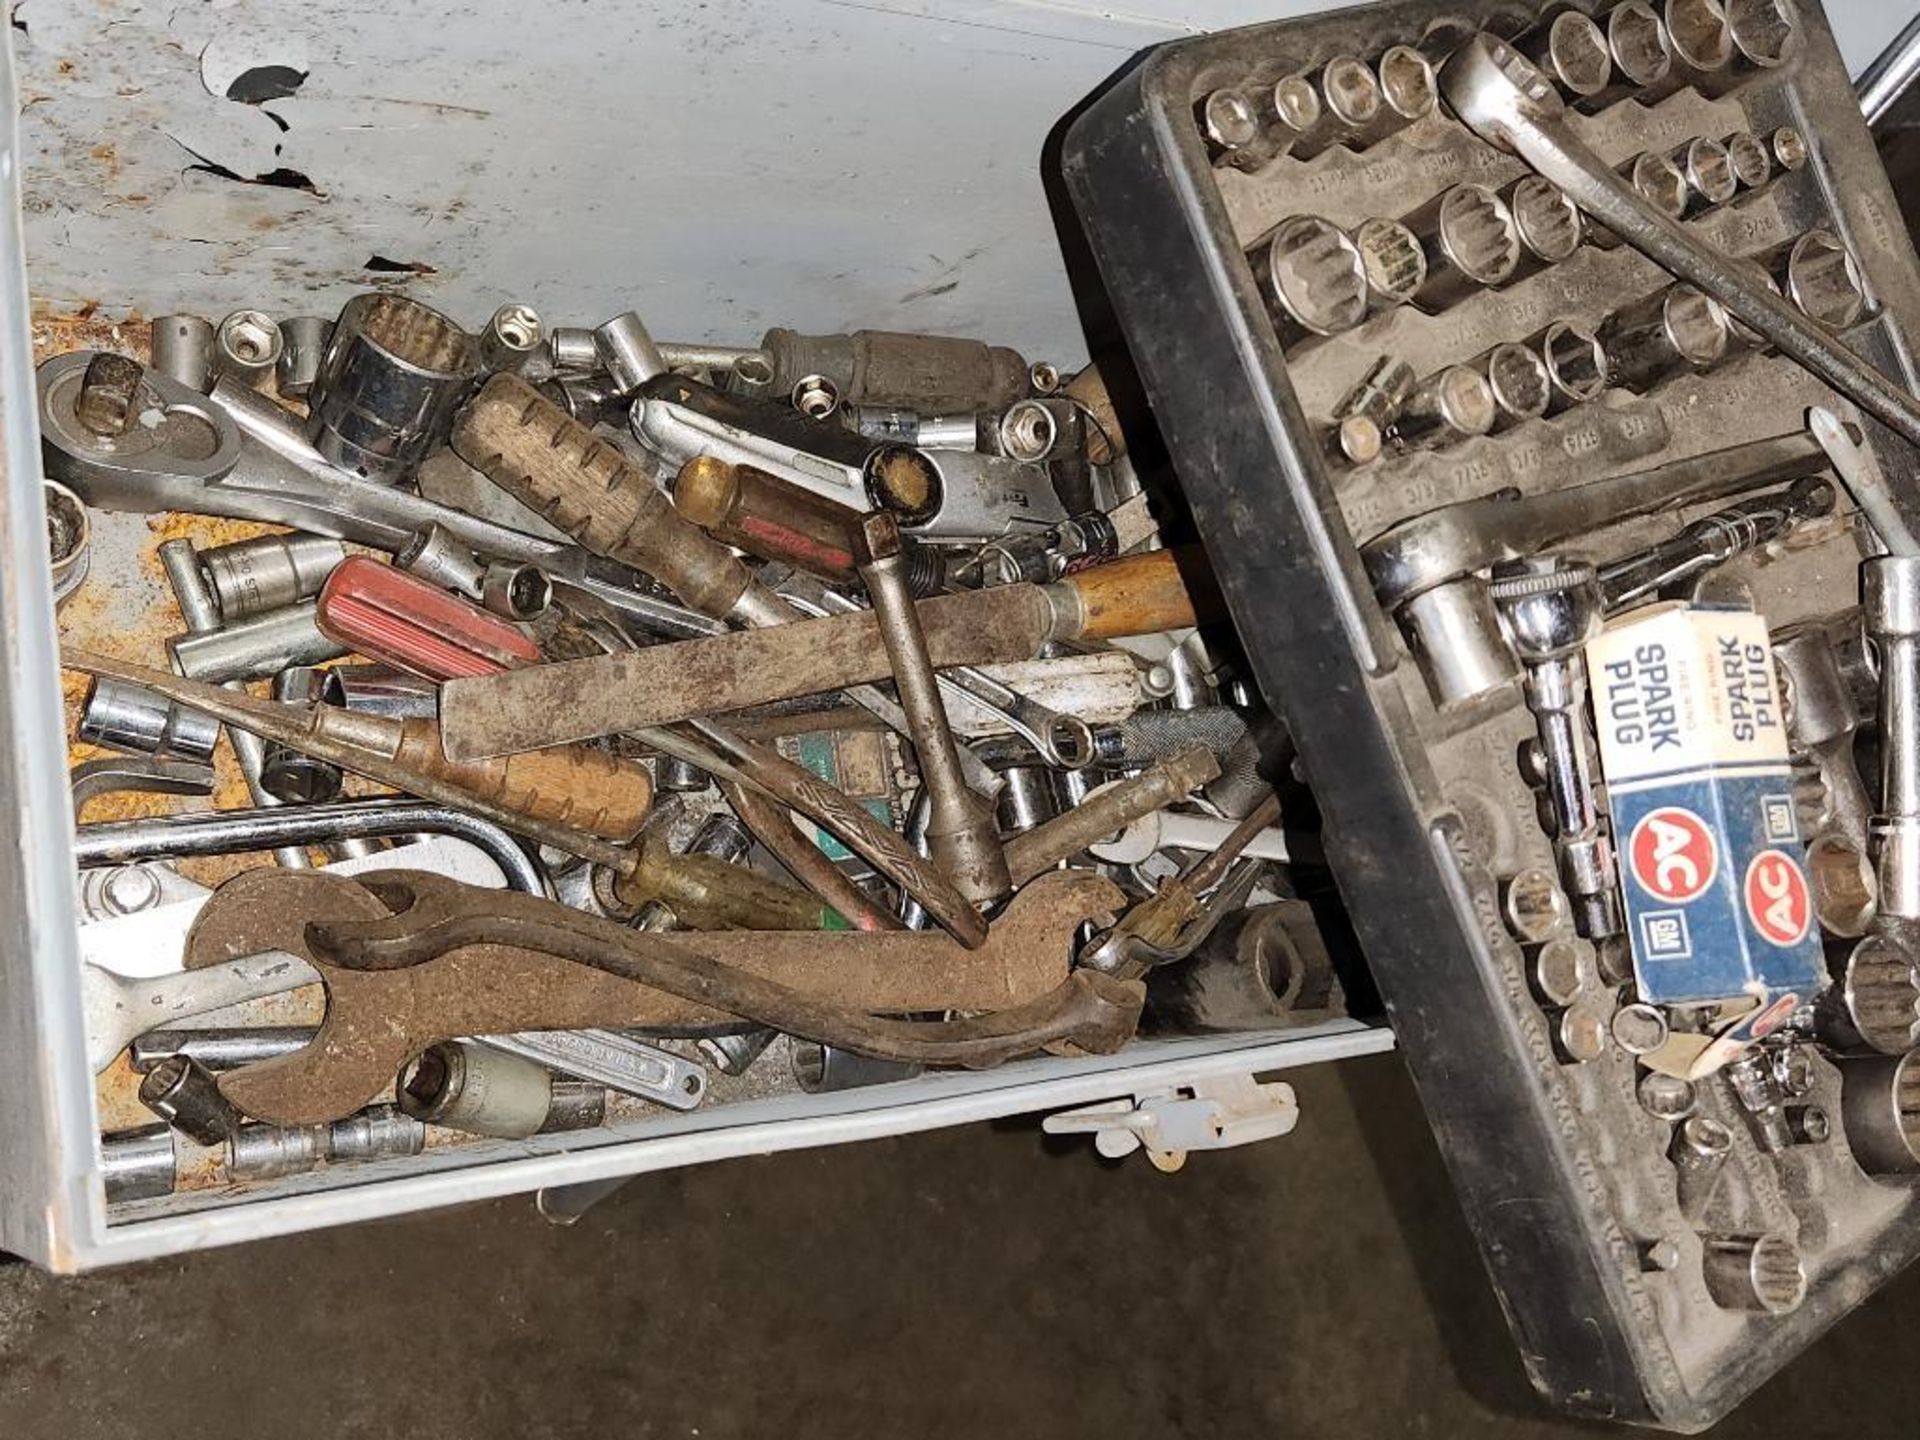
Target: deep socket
x=1890, y=596
x=268, y=572
x=1471, y=243
x=1449, y=405
x=1671, y=330
x=1395, y=265
x=1313, y=277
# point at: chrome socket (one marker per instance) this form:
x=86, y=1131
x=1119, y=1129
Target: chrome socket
x=1571, y=50
x=1708, y=170
x=1817, y=273
x=181, y=348
x=1365, y=416
x=247, y=345
x=1880, y=1113
x=1550, y=225
x=1753, y=1272
x=512, y=339
x=1642, y=58
x=1752, y=163
x=1350, y=104
x=303, y=345
x=1700, y=42
x=1312, y=276
x=1518, y=381
x=1765, y=33
x=1395, y=263
x=133, y=719
x=1446, y=407
x=393, y=375
x=1672, y=330
x=269, y=572
x=1471, y=244
x=1789, y=148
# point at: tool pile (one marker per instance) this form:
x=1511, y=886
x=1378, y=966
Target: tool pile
x=1522, y=369
x=612, y=710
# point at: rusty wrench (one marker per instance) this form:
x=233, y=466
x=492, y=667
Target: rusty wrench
x=376, y=1020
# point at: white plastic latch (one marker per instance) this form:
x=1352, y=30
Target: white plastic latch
x=1206, y=1115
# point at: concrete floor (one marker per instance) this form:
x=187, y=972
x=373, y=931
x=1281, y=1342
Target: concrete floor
x=975, y=1282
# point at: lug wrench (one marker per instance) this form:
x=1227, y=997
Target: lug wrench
x=1505, y=99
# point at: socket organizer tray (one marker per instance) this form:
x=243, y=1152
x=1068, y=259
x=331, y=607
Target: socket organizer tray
x=1387, y=358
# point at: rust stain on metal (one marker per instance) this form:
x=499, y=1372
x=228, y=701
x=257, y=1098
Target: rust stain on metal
x=376, y=1020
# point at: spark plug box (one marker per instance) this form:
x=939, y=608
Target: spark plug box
x=1693, y=748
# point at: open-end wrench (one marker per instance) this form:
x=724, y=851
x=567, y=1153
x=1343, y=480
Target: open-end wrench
x=118, y=1008
x=377, y=1019
x=201, y=456
x=1505, y=99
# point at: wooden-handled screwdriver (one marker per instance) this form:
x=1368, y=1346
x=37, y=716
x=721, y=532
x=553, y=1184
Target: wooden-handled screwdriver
x=555, y=704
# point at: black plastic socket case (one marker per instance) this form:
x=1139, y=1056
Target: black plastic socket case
x=1561, y=1173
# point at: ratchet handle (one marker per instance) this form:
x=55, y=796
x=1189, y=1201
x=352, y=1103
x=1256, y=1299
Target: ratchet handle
x=545, y=459
x=572, y=785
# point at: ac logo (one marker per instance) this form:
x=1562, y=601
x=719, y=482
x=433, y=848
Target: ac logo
x=1778, y=901
x=1673, y=855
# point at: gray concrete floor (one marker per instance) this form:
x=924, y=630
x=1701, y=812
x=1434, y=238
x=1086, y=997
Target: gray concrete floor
x=975, y=1282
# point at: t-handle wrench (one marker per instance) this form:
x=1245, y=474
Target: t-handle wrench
x=1505, y=99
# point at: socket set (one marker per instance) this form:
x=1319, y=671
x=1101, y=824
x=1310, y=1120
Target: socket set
x=1539, y=383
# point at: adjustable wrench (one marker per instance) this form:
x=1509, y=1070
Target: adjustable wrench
x=1505, y=99
x=208, y=457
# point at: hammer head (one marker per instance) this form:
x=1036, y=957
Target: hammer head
x=1493, y=88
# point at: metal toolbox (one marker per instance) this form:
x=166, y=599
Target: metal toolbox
x=114, y=227
x=1227, y=185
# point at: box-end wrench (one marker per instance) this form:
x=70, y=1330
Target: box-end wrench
x=1503, y=97
x=234, y=455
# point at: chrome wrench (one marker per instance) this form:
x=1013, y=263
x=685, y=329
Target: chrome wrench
x=616, y=1061
x=118, y=1008
x=1503, y=97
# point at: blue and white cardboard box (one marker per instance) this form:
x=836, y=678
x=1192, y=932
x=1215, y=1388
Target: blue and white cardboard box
x=1693, y=748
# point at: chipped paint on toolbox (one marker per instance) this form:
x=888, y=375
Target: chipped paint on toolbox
x=1694, y=751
